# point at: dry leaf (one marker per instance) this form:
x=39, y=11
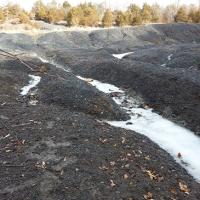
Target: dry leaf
x=140, y=151
x=147, y=157
x=173, y=191
x=103, y=168
x=43, y=165
x=123, y=140
x=183, y=187
x=62, y=172
x=148, y=196
x=127, y=166
x=103, y=141
x=146, y=107
x=112, y=184
x=152, y=175
x=113, y=163
x=160, y=178
x=126, y=176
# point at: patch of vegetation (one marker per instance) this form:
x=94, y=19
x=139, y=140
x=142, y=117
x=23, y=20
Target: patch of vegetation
x=181, y=15
x=107, y=20
x=121, y=18
x=88, y=14
x=2, y=16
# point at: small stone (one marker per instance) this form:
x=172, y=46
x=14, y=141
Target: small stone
x=112, y=184
x=123, y=140
x=129, y=123
x=179, y=155
x=113, y=163
x=50, y=124
x=127, y=166
x=146, y=107
x=125, y=176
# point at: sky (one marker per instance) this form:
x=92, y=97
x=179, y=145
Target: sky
x=115, y=4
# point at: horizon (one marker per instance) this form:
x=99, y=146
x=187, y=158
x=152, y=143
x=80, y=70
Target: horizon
x=114, y=4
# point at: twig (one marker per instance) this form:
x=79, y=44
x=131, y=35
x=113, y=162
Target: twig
x=21, y=125
x=13, y=165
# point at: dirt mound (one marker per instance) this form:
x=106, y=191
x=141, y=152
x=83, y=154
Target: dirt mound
x=67, y=91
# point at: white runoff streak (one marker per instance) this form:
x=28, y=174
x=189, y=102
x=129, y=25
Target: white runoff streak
x=51, y=62
x=103, y=87
x=120, y=56
x=163, y=65
x=32, y=83
x=170, y=57
x=174, y=139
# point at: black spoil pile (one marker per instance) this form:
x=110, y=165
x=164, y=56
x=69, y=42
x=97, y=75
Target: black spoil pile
x=54, y=143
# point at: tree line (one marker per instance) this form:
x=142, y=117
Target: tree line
x=88, y=14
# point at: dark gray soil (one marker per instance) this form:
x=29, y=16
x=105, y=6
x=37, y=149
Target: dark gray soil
x=171, y=87
x=60, y=149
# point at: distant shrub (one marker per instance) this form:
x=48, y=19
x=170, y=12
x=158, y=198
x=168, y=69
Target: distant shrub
x=66, y=5
x=89, y=15
x=2, y=17
x=134, y=15
x=74, y=16
x=13, y=10
x=181, y=15
x=107, y=20
x=84, y=14
x=121, y=18
x=39, y=10
x=54, y=15
x=50, y=13
x=24, y=18
x=146, y=13
x=194, y=15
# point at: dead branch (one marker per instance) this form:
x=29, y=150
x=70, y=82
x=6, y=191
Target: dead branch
x=13, y=166
x=10, y=55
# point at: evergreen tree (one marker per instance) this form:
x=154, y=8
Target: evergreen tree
x=13, y=10
x=121, y=18
x=24, y=18
x=40, y=10
x=74, y=16
x=146, y=13
x=194, y=15
x=54, y=13
x=89, y=15
x=2, y=17
x=181, y=15
x=107, y=20
x=66, y=5
x=134, y=15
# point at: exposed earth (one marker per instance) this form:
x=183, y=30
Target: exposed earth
x=54, y=143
